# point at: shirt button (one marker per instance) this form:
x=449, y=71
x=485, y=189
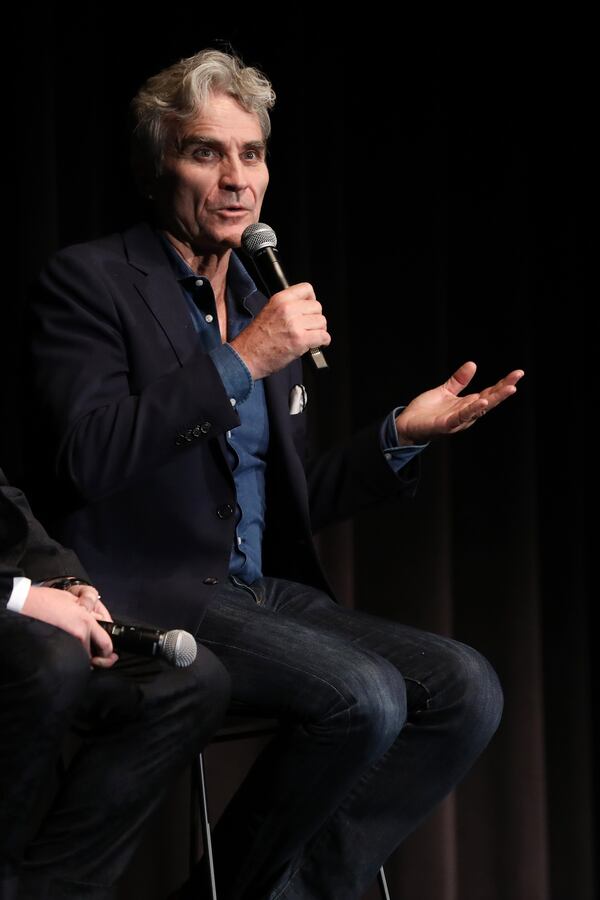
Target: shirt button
x=208, y=318
x=210, y=580
x=199, y=282
x=233, y=401
x=228, y=435
x=239, y=540
x=388, y=455
x=225, y=511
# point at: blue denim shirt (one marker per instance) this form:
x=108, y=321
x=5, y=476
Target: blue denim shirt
x=247, y=445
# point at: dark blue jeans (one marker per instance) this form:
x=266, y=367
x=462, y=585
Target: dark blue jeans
x=379, y=722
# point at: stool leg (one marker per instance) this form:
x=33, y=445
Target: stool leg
x=205, y=824
x=383, y=888
x=207, y=839
x=194, y=813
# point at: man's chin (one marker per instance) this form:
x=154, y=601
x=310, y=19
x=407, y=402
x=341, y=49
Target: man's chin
x=230, y=238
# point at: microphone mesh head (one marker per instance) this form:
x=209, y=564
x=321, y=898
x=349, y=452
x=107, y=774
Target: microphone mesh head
x=258, y=236
x=179, y=648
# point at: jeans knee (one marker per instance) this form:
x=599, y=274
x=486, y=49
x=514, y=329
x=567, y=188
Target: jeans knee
x=477, y=693
x=379, y=710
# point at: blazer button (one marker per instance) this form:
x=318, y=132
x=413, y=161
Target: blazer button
x=205, y=427
x=225, y=511
x=210, y=580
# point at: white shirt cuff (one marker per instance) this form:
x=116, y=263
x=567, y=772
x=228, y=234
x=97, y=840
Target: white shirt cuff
x=19, y=594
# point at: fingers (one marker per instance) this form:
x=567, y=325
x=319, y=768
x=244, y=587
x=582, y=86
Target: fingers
x=87, y=595
x=89, y=598
x=490, y=398
x=305, y=324
x=290, y=324
x=466, y=414
x=100, y=640
x=102, y=662
x=302, y=291
x=509, y=380
x=514, y=376
x=494, y=395
x=288, y=309
x=304, y=321
x=503, y=389
x=475, y=411
x=101, y=613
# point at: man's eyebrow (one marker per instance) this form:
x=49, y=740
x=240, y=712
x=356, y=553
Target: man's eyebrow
x=196, y=140
x=190, y=140
x=256, y=145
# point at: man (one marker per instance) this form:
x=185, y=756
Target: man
x=139, y=720
x=171, y=393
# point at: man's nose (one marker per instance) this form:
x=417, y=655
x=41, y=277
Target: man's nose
x=233, y=175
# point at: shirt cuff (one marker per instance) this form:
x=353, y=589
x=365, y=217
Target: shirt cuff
x=19, y=594
x=397, y=457
x=234, y=372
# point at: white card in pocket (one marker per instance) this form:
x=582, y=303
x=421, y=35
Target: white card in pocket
x=298, y=399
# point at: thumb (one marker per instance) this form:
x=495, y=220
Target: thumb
x=461, y=378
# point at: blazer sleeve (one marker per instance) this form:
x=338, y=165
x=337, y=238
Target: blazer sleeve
x=107, y=428
x=25, y=547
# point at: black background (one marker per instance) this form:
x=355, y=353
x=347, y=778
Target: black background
x=434, y=180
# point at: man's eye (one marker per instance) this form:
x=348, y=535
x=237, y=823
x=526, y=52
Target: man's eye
x=203, y=153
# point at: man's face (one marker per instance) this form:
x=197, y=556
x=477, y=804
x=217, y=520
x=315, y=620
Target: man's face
x=214, y=177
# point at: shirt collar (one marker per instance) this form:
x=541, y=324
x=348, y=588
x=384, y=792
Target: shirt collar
x=240, y=285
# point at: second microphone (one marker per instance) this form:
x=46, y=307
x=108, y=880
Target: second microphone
x=176, y=647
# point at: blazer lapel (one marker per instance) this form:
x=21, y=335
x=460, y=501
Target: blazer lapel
x=153, y=279
x=276, y=392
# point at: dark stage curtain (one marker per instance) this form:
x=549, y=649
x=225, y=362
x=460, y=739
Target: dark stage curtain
x=436, y=192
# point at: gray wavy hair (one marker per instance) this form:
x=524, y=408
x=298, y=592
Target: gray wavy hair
x=179, y=92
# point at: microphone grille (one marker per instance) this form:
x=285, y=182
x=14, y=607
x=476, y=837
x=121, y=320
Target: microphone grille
x=258, y=236
x=179, y=647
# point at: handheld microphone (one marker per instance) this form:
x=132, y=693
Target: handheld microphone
x=260, y=243
x=176, y=647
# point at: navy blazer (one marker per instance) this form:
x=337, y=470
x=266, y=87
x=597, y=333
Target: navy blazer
x=25, y=548
x=129, y=425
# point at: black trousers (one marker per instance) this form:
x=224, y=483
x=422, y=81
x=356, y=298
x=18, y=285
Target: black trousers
x=137, y=723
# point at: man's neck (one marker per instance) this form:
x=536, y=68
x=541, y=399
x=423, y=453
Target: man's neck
x=212, y=266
